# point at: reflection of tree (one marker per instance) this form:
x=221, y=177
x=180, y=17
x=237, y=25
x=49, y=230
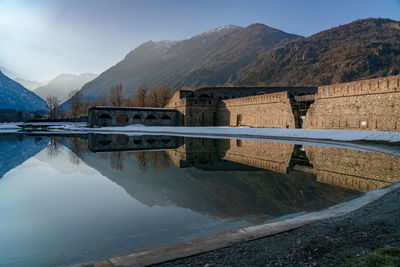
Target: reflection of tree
x=78, y=148
x=54, y=146
x=141, y=160
x=158, y=160
x=117, y=160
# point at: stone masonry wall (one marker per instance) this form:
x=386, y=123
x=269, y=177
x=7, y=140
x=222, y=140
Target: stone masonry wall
x=369, y=104
x=268, y=110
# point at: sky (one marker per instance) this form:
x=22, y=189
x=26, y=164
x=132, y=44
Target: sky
x=43, y=38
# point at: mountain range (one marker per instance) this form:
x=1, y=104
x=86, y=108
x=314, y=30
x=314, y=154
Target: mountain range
x=210, y=58
x=259, y=55
x=16, y=97
x=363, y=49
x=63, y=84
x=245, y=56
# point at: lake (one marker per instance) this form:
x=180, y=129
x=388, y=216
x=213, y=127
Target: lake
x=67, y=199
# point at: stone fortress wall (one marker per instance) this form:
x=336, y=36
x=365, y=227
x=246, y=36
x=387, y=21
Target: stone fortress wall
x=368, y=104
x=238, y=106
x=269, y=110
x=372, y=104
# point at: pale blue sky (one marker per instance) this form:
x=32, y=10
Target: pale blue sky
x=42, y=38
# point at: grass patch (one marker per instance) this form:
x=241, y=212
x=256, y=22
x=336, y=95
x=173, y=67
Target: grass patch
x=388, y=257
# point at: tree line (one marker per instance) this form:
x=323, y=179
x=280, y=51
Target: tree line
x=156, y=96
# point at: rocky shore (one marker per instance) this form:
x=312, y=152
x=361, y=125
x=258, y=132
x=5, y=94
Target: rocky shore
x=331, y=242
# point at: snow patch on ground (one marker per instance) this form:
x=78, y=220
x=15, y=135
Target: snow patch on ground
x=242, y=132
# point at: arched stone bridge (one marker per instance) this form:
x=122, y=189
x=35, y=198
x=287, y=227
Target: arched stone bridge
x=122, y=116
x=120, y=142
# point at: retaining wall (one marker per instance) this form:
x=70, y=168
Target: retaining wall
x=369, y=104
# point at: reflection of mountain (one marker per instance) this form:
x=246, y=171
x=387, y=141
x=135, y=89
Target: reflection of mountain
x=244, y=192
x=17, y=148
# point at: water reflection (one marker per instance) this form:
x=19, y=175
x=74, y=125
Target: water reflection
x=224, y=178
x=15, y=149
x=90, y=196
x=352, y=169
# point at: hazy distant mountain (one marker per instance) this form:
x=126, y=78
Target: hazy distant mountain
x=28, y=84
x=63, y=84
x=362, y=49
x=15, y=96
x=210, y=58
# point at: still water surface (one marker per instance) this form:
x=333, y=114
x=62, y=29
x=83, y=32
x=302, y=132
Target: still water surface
x=66, y=200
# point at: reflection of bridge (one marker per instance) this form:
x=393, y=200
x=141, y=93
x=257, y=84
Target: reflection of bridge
x=356, y=170
x=120, y=142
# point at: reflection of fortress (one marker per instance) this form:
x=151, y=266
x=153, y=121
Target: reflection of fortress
x=227, y=179
x=352, y=169
x=357, y=170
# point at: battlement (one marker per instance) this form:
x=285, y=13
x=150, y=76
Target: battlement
x=258, y=99
x=363, y=87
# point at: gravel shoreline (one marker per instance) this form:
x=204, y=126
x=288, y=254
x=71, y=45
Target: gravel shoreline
x=330, y=242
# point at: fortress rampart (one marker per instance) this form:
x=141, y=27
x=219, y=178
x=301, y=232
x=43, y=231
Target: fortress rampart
x=372, y=104
x=269, y=110
x=369, y=104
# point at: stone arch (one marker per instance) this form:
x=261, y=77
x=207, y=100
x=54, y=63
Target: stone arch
x=137, y=141
x=122, y=140
x=204, y=96
x=105, y=119
x=165, y=141
x=105, y=142
x=151, y=117
x=122, y=119
x=137, y=117
x=166, y=117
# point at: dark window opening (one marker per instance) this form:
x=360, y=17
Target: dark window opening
x=105, y=116
x=204, y=96
x=122, y=140
x=137, y=117
x=122, y=118
x=166, y=117
x=105, y=142
x=137, y=141
x=151, y=117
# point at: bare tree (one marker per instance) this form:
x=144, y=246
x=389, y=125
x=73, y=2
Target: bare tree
x=53, y=103
x=117, y=97
x=76, y=100
x=101, y=100
x=153, y=99
x=165, y=95
x=54, y=147
x=140, y=98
